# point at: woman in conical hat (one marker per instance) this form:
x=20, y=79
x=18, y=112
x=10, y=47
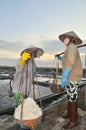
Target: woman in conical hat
x=25, y=72
x=71, y=76
x=72, y=35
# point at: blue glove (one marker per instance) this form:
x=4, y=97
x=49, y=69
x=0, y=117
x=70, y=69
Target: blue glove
x=59, y=57
x=65, y=75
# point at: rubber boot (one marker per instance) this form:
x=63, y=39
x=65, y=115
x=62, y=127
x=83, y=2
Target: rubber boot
x=73, y=116
x=66, y=115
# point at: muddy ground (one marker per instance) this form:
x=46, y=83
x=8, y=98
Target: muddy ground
x=52, y=119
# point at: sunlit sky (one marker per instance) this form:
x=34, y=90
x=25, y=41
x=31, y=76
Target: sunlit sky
x=26, y=23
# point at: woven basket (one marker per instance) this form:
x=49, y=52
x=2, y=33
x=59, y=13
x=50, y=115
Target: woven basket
x=30, y=123
x=56, y=89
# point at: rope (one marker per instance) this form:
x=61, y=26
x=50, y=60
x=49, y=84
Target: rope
x=57, y=78
x=33, y=63
x=39, y=92
x=51, y=70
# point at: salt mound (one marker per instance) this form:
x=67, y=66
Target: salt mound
x=30, y=110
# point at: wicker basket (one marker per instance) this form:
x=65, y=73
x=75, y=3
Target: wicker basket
x=30, y=123
x=56, y=89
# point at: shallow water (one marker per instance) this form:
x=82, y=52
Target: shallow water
x=40, y=91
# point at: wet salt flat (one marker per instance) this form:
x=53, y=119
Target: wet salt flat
x=52, y=119
x=4, y=85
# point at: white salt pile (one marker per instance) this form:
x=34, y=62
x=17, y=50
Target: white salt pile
x=30, y=110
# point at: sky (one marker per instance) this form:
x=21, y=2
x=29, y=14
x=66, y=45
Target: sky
x=38, y=23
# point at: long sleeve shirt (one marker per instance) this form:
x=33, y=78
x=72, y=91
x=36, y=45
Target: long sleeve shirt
x=71, y=59
x=23, y=78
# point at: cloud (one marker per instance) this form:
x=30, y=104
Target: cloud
x=6, y=45
x=52, y=46
x=8, y=62
x=10, y=51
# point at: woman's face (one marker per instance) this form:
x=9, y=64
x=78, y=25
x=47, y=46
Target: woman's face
x=66, y=41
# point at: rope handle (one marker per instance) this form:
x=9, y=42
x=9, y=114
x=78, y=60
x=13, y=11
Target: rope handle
x=39, y=93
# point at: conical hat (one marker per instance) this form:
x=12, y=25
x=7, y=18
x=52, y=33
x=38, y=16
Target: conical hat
x=34, y=50
x=72, y=35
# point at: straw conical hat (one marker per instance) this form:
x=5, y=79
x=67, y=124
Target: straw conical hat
x=72, y=35
x=34, y=50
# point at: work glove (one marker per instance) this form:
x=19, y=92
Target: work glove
x=59, y=57
x=65, y=75
x=25, y=56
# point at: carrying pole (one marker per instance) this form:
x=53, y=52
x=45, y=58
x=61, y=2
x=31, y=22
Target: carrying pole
x=85, y=77
x=33, y=77
x=21, y=113
x=82, y=45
